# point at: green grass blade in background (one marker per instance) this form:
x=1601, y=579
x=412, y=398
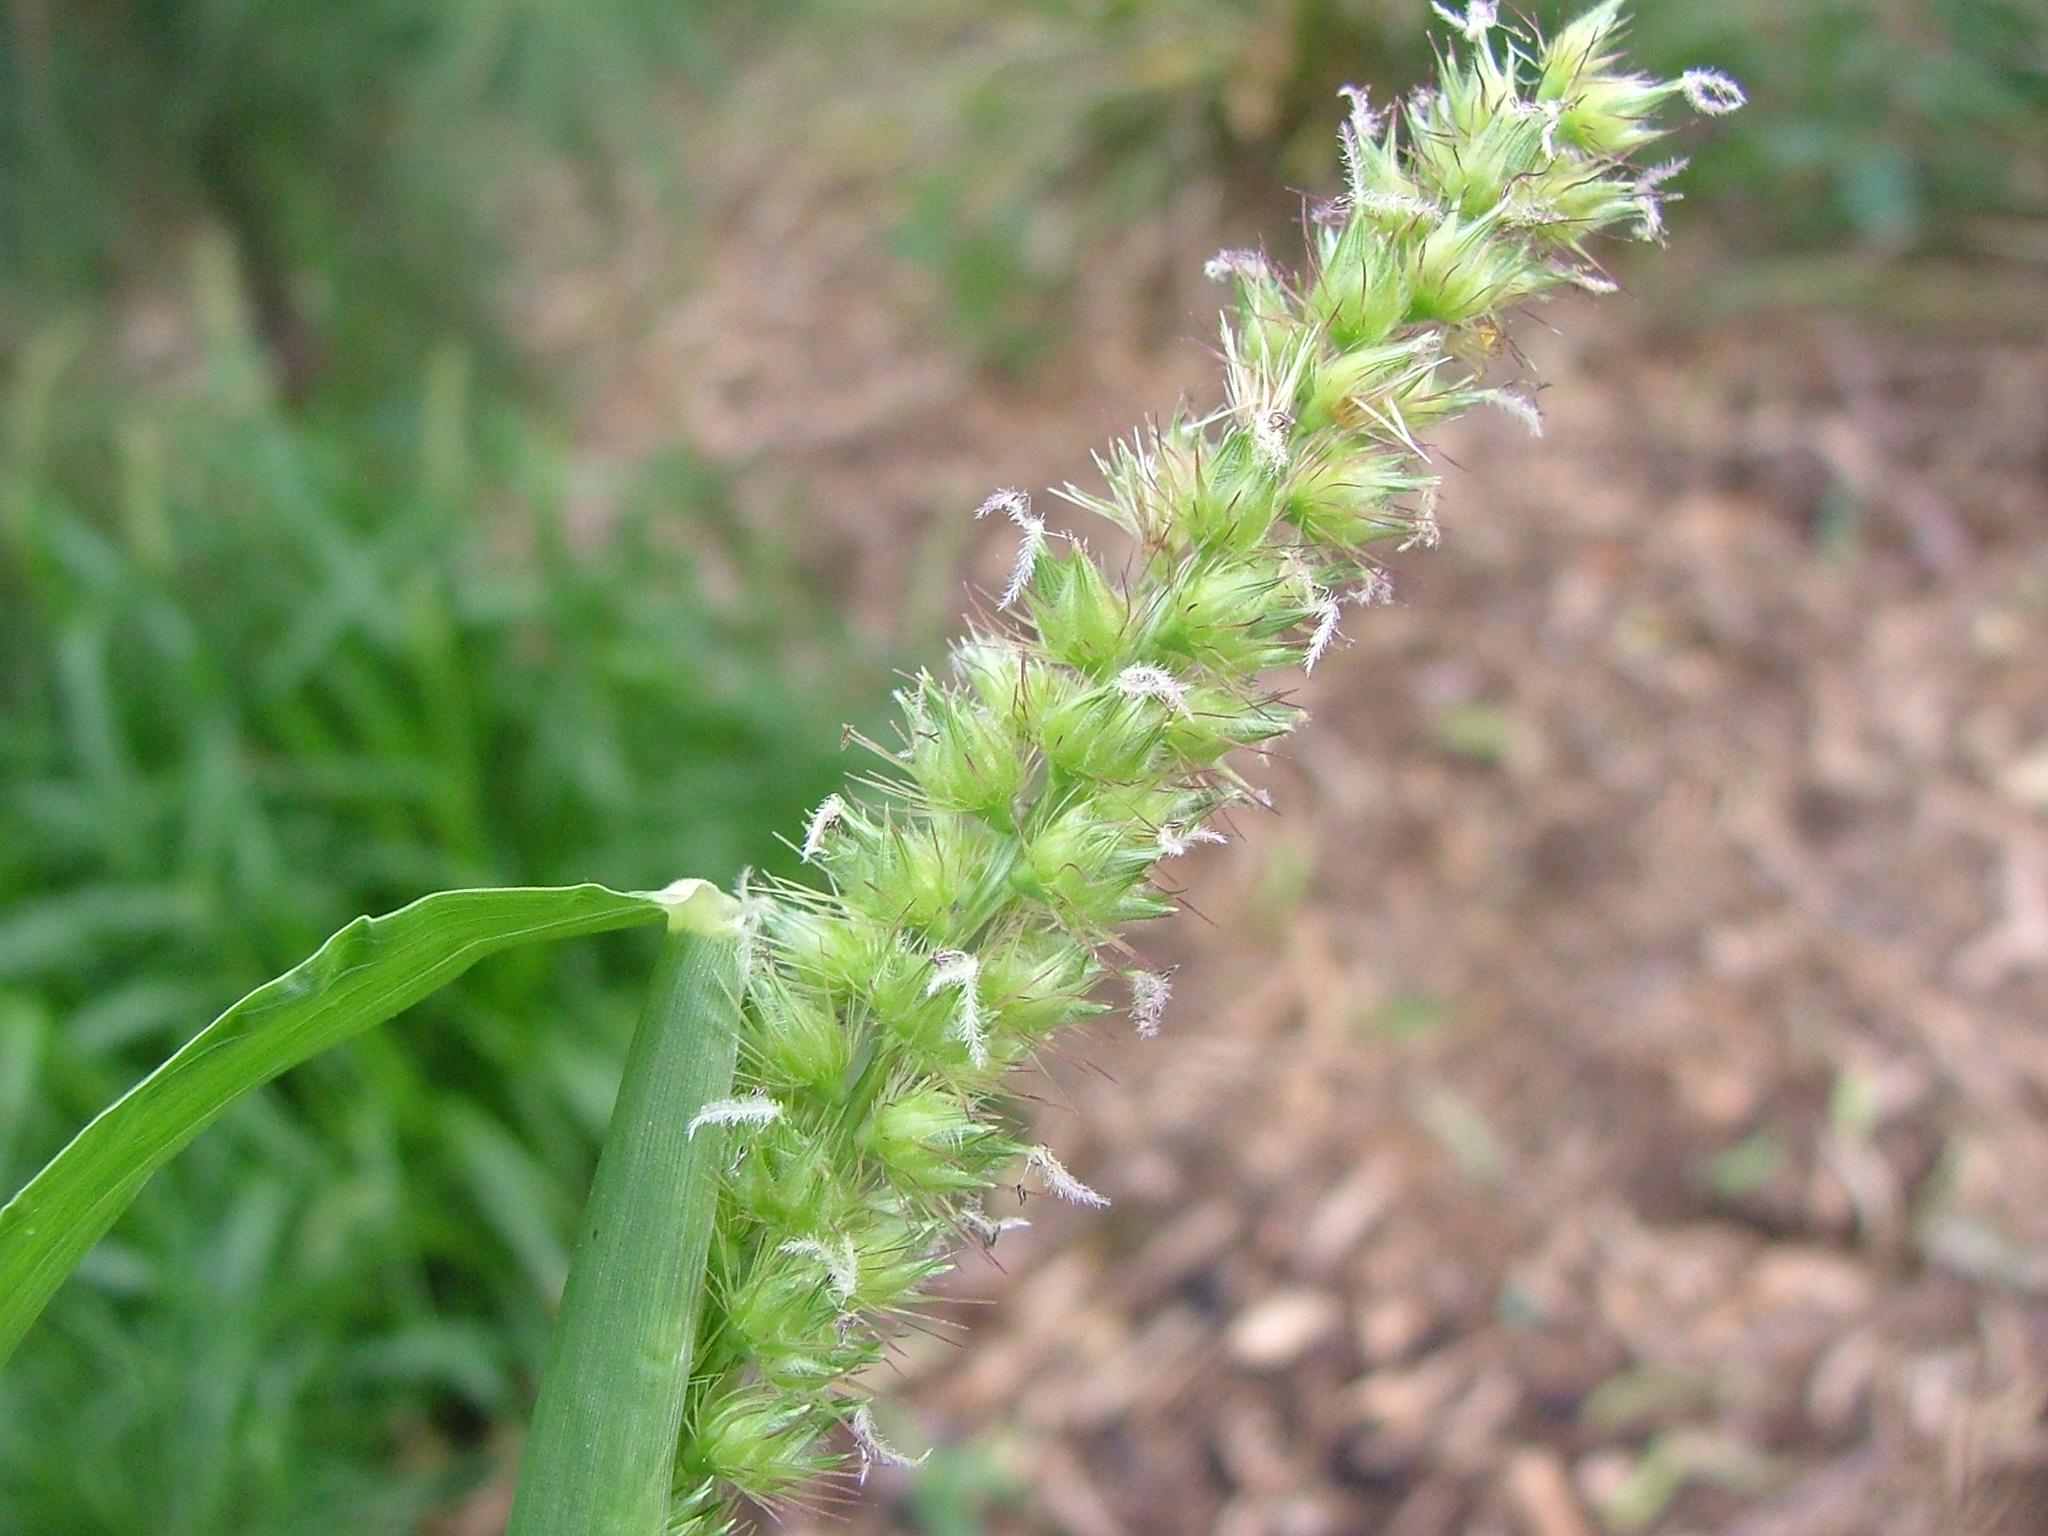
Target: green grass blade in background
x=374, y=968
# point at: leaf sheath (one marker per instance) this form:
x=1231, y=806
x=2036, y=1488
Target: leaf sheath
x=601, y=1455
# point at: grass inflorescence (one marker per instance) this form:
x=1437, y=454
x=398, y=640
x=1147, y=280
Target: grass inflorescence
x=1090, y=726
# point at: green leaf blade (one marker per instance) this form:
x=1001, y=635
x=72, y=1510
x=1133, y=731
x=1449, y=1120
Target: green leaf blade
x=370, y=971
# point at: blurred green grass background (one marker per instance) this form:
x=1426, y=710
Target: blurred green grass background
x=302, y=611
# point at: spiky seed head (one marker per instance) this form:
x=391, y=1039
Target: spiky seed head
x=1042, y=787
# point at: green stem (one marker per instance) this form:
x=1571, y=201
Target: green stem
x=603, y=1447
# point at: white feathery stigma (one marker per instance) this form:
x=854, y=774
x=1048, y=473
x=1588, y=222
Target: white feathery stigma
x=1146, y=682
x=951, y=968
x=1269, y=439
x=1523, y=212
x=1327, y=615
x=1480, y=17
x=747, y=925
x=1150, y=992
x=874, y=1450
x=1359, y=128
x=1059, y=1183
x=839, y=1261
x=957, y=968
x=1365, y=120
x=1177, y=840
x=1521, y=407
x=1330, y=213
x=1401, y=205
x=1711, y=93
x=754, y=1109
x=1322, y=605
x=1424, y=532
x=986, y=1228
x=1650, y=201
x=830, y=812
x=1247, y=264
x=1016, y=506
x=1656, y=175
